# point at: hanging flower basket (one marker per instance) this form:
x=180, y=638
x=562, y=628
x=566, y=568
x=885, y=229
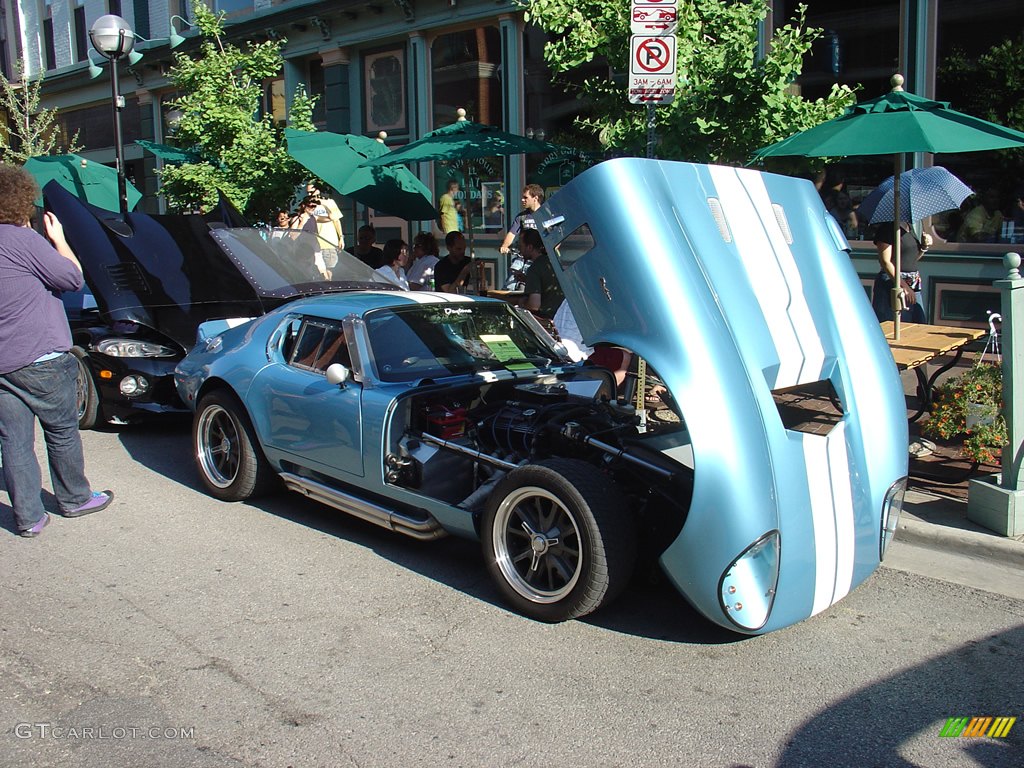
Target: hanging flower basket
x=970, y=405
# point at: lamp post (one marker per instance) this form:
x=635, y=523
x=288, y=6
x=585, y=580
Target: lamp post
x=114, y=39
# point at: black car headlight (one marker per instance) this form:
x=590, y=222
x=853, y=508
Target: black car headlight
x=134, y=348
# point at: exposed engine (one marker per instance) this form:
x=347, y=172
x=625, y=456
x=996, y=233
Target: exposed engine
x=456, y=446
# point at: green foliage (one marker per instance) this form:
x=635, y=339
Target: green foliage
x=728, y=101
x=244, y=152
x=32, y=131
x=971, y=405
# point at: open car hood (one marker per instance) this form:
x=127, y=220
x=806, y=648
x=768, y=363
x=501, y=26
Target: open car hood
x=737, y=288
x=171, y=273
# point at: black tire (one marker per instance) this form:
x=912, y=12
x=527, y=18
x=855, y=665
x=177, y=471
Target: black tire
x=88, y=398
x=558, y=539
x=230, y=461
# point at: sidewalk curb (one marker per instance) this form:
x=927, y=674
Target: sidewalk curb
x=945, y=539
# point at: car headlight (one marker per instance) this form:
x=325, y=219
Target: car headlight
x=132, y=386
x=747, y=589
x=891, y=508
x=133, y=348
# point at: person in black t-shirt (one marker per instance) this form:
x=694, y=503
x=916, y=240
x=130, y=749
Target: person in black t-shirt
x=451, y=272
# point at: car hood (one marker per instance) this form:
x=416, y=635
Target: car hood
x=736, y=287
x=171, y=273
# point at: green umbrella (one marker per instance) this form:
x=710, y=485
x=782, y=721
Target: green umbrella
x=894, y=124
x=94, y=183
x=168, y=153
x=463, y=141
x=336, y=158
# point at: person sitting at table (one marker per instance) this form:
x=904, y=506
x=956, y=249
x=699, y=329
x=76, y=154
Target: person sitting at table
x=982, y=223
x=452, y=272
x=424, y=258
x=911, y=251
x=396, y=253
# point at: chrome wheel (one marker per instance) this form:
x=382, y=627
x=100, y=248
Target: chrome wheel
x=536, y=542
x=218, y=445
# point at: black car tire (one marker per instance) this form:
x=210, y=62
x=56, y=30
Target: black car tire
x=88, y=397
x=558, y=539
x=230, y=461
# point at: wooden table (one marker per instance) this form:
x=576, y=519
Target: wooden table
x=920, y=344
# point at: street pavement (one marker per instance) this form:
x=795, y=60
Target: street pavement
x=189, y=633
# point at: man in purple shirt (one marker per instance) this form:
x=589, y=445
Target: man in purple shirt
x=38, y=376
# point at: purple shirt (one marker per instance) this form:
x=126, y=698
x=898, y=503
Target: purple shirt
x=32, y=318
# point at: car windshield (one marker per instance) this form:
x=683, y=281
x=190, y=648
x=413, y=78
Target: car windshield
x=438, y=340
x=289, y=262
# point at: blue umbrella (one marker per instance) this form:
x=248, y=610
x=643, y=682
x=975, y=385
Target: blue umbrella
x=923, y=192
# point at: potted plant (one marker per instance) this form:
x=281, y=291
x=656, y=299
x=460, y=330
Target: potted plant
x=971, y=404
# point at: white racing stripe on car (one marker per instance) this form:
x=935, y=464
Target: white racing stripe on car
x=842, y=500
x=799, y=311
x=831, y=515
x=775, y=281
x=426, y=297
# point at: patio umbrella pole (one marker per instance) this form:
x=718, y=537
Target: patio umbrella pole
x=897, y=288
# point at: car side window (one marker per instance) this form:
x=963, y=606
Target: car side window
x=319, y=344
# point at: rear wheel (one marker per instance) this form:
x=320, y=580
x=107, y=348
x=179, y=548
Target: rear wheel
x=558, y=539
x=88, y=399
x=230, y=461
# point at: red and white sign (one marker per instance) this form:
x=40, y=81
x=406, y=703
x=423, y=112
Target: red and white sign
x=652, y=55
x=653, y=18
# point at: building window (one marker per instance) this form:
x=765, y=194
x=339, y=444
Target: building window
x=978, y=70
x=316, y=88
x=81, y=33
x=114, y=7
x=384, y=91
x=274, y=101
x=860, y=47
x=465, y=67
x=233, y=7
x=49, y=49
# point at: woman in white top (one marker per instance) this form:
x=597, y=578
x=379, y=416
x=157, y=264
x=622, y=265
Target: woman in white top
x=396, y=254
x=425, y=255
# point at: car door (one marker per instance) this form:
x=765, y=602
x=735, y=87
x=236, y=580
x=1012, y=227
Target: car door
x=318, y=424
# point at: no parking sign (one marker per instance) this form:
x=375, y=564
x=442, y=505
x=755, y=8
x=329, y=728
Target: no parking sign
x=652, y=58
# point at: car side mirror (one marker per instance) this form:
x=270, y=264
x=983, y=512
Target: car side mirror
x=338, y=374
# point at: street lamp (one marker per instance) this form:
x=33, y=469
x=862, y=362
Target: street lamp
x=114, y=39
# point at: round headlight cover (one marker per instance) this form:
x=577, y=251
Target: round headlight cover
x=747, y=588
x=892, y=506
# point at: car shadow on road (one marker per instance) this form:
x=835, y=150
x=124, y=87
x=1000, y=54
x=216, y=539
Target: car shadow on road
x=649, y=607
x=875, y=725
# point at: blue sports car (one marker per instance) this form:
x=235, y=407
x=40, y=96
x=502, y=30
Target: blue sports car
x=434, y=414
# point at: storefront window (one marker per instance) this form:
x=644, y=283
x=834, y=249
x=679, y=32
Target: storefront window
x=860, y=47
x=274, y=101
x=552, y=104
x=466, y=75
x=979, y=52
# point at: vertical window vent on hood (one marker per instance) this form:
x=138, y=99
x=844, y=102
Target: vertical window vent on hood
x=814, y=408
x=127, y=278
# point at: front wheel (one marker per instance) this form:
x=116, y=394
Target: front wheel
x=231, y=463
x=558, y=539
x=88, y=400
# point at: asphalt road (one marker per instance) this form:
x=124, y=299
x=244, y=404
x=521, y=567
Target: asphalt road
x=173, y=630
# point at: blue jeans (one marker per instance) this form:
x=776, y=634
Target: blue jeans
x=46, y=391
